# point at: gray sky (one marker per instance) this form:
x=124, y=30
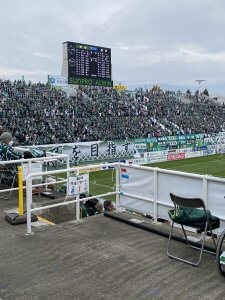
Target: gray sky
x=152, y=41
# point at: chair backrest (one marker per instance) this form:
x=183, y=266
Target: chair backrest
x=187, y=202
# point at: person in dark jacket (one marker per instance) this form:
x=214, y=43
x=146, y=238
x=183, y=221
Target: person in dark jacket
x=91, y=206
x=6, y=150
x=108, y=206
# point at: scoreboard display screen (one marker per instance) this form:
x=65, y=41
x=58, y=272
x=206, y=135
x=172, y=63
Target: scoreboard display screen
x=88, y=62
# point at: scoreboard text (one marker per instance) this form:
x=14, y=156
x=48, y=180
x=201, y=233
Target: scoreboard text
x=89, y=64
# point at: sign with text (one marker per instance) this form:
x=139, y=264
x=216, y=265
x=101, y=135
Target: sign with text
x=176, y=156
x=56, y=80
x=120, y=87
x=78, y=184
x=34, y=168
x=90, y=81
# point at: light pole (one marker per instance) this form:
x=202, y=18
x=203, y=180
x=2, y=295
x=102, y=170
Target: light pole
x=199, y=81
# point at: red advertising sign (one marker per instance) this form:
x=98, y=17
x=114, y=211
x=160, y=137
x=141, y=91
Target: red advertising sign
x=176, y=156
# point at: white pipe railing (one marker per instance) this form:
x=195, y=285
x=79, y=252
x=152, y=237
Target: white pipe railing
x=156, y=171
x=155, y=199
x=77, y=200
x=36, y=159
x=71, y=201
x=50, y=158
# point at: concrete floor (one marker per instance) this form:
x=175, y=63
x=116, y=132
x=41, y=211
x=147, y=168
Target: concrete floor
x=98, y=258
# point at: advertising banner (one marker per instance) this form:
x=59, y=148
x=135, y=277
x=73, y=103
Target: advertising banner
x=56, y=80
x=140, y=149
x=120, y=87
x=176, y=156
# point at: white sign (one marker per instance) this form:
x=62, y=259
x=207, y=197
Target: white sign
x=34, y=168
x=78, y=184
x=56, y=80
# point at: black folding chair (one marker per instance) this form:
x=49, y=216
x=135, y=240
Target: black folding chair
x=206, y=225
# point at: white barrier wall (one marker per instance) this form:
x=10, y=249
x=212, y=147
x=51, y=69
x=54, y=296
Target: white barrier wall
x=139, y=184
x=147, y=190
x=178, y=185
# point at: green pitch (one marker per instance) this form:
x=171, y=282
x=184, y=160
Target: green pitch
x=105, y=181
x=102, y=182
x=212, y=165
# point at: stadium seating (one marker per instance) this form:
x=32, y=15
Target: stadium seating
x=41, y=114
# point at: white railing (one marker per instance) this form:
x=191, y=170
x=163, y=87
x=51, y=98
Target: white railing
x=77, y=200
x=146, y=190
x=51, y=157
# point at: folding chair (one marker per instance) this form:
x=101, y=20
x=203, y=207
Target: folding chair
x=205, y=222
x=8, y=176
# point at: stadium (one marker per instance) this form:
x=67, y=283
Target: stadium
x=110, y=191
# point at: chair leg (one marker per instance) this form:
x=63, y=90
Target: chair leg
x=184, y=260
x=197, y=248
x=168, y=244
x=214, y=242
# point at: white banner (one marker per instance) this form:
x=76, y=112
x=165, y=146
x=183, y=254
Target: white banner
x=87, y=151
x=193, y=154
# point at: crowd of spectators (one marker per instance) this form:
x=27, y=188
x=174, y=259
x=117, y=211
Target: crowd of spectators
x=41, y=114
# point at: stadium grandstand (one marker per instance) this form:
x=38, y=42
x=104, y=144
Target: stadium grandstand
x=143, y=145
x=112, y=150
x=114, y=217
x=110, y=177
x=38, y=114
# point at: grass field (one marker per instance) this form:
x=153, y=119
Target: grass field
x=212, y=165
x=104, y=181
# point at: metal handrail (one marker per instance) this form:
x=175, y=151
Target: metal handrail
x=77, y=200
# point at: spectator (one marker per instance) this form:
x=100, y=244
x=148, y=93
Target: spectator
x=108, y=206
x=6, y=150
x=99, y=208
x=8, y=153
x=40, y=114
x=91, y=206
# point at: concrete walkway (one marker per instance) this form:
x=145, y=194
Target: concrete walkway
x=99, y=258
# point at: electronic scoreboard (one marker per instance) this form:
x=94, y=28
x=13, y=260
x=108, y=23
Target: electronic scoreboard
x=86, y=64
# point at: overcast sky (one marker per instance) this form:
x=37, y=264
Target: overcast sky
x=152, y=41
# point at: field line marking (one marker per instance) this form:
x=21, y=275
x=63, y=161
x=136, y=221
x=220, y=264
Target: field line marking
x=103, y=179
x=101, y=184
x=200, y=163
